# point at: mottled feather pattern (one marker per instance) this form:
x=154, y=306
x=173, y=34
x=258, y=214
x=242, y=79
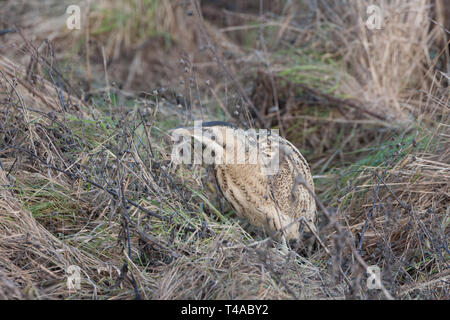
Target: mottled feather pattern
x=275, y=202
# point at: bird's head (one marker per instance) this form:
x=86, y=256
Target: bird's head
x=207, y=133
x=212, y=142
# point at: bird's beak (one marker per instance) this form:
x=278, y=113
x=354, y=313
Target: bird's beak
x=187, y=132
x=184, y=131
x=198, y=135
x=178, y=129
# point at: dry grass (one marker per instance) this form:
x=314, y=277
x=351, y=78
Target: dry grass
x=401, y=49
x=78, y=202
x=86, y=177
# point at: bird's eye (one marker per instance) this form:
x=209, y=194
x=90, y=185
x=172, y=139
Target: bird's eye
x=213, y=138
x=213, y=154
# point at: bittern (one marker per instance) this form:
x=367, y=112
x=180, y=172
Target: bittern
x=262, y=175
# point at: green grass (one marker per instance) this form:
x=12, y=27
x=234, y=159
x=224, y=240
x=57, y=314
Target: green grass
x=371, y=158
x=51, y=205
x=311, y=68
x=137, y=18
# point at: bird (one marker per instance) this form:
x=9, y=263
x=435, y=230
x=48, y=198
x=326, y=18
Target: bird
x=263, y=176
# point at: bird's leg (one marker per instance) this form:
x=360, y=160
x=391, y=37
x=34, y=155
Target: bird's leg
x=284, y=245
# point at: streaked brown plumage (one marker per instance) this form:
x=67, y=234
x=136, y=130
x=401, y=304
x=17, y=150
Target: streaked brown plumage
x=275, y=202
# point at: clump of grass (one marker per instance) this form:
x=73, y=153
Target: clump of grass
x=135, y=20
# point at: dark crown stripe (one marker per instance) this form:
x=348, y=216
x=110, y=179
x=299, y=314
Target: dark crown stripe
x=218, y=123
